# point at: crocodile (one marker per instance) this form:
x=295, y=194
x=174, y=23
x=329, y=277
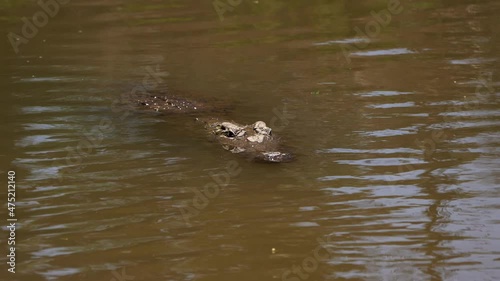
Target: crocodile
x=256, y=141
x=170, y=103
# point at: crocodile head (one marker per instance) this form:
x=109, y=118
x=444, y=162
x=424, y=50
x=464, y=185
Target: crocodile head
x=229, y=130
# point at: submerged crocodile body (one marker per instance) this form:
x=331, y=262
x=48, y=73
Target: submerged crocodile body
x=255, y=141
x=170, y=104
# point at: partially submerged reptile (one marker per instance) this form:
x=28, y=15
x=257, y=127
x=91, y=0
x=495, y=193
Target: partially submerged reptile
x=255, y=141
x=170, y=104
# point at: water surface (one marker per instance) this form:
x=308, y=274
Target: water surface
x=396, y=135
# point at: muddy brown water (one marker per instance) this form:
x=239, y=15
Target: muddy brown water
x=391, y=109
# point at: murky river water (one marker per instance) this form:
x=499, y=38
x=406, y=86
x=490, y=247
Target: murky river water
x=391, y=108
